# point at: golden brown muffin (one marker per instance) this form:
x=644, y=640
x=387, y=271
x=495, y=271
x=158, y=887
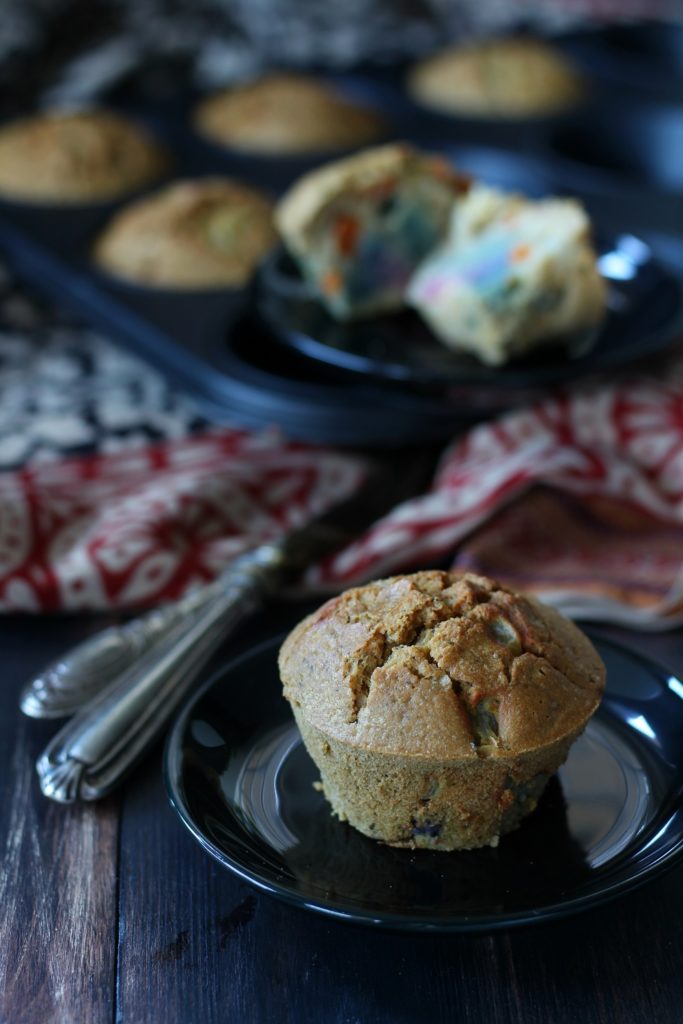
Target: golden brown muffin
x=77, y=157
x=437, y=705
x=286, y=113
x=193, y=234
x=498, y=78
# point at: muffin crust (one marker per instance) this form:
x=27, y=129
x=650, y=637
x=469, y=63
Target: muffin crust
x=194, y=234
x=286, y=113
x=510, y=78
x=75, y=157
x=436, y=706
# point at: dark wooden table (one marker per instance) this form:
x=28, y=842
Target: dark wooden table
x=113, y=913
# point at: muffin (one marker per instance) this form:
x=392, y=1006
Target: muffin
x=358, y=227
x=286, y=114
x=514, y=274
x=436, y=706
x=75, y=157
x=208, y=233
x=497, y=78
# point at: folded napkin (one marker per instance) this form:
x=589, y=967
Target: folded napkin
x=578, y=499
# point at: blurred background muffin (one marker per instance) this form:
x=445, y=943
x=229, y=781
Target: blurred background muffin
x=286, y=113
x=75, y=157
x=193, y=234
x=516, y=77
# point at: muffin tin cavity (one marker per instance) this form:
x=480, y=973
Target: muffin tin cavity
x=641, y=145
x=643, y=57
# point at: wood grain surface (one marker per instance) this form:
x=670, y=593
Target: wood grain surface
x=112, y=913
x=58, y=875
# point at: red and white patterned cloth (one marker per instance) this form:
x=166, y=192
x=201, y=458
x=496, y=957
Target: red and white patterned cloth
x=144, y=526
x=602, y=538
x=579, y=498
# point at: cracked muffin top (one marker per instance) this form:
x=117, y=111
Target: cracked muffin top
x=441, y=665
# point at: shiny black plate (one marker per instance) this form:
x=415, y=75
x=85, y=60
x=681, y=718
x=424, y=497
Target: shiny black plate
x=644, y=317
x=242, y=782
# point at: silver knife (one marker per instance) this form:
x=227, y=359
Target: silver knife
x=105, y=739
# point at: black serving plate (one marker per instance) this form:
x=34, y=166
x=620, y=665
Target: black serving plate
x=645, y=306
x=241, y=781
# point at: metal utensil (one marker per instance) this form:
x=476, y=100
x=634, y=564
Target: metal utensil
x=95, y=749
x=68, y=683
x=99, y=745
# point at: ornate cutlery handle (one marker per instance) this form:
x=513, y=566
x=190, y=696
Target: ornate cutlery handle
x=68, y=683
x=95, y=749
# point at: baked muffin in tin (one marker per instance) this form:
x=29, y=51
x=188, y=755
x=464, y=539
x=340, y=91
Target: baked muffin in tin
x=436, y=706
x=76, y=157
x=511, y=78
x=204, y=233
x=286, y=114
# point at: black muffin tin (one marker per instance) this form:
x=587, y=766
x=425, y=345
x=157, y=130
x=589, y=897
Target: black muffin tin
x=218, y=346
x=645, y=56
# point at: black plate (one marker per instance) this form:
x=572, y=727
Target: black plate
x=241, y=781
x=645, y=303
